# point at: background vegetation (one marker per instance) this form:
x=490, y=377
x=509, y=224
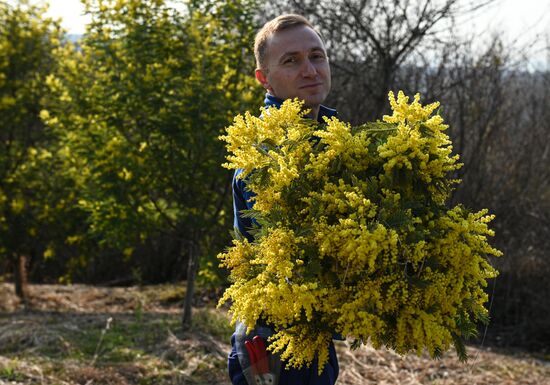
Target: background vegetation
x=109, y=157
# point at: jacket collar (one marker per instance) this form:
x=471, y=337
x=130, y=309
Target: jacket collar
x=273, y=101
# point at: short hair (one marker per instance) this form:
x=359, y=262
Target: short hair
x=280, y=23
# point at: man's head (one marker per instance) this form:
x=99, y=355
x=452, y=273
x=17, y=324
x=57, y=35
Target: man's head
x=291, y=60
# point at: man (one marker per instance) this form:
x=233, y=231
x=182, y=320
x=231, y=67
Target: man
x=291, y=62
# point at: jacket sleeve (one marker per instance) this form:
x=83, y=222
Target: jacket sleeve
x=242, y=200
x=234, y=367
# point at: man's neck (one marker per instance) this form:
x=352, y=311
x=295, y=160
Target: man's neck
x=271, y=100
x=313, y=113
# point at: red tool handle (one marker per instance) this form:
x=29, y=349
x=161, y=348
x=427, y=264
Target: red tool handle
x=251, y=354
x=261, y=354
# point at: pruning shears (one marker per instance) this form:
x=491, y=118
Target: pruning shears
x=259, y=361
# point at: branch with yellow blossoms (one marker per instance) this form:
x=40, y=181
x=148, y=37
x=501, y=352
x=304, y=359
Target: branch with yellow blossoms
x=354, y=235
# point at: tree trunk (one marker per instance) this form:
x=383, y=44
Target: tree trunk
x=189, y=293
x=21, y=279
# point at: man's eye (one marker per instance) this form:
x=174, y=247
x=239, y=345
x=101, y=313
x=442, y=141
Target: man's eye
x=318, y=56
x=290, y=60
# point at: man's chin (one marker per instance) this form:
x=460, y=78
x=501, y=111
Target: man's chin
x=310, y=99
x=313, y=100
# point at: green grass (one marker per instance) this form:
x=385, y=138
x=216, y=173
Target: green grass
x=89, y=338
x=9, y=373
x=214, y=323
x=122, y=341
x=83, y=347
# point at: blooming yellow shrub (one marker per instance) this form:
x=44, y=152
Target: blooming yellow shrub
x=354, y=236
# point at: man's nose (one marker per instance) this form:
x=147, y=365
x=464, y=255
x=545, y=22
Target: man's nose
x=308, y=69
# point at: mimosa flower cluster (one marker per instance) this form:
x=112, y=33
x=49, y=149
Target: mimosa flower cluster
x=353, y=234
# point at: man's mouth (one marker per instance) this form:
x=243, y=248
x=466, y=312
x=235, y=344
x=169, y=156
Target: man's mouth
x=311, y=85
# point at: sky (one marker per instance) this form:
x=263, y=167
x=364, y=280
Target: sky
x=71, y=13
x=518, y=21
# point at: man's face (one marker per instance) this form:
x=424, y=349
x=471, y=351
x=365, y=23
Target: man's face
x=296, y=66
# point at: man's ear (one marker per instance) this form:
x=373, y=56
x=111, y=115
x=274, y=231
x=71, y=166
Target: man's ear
x=260, y=77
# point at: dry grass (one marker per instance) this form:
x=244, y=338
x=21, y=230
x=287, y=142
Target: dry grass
x=67, y=338
x=383, y=367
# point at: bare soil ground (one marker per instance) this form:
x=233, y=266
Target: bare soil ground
x=93, y=335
